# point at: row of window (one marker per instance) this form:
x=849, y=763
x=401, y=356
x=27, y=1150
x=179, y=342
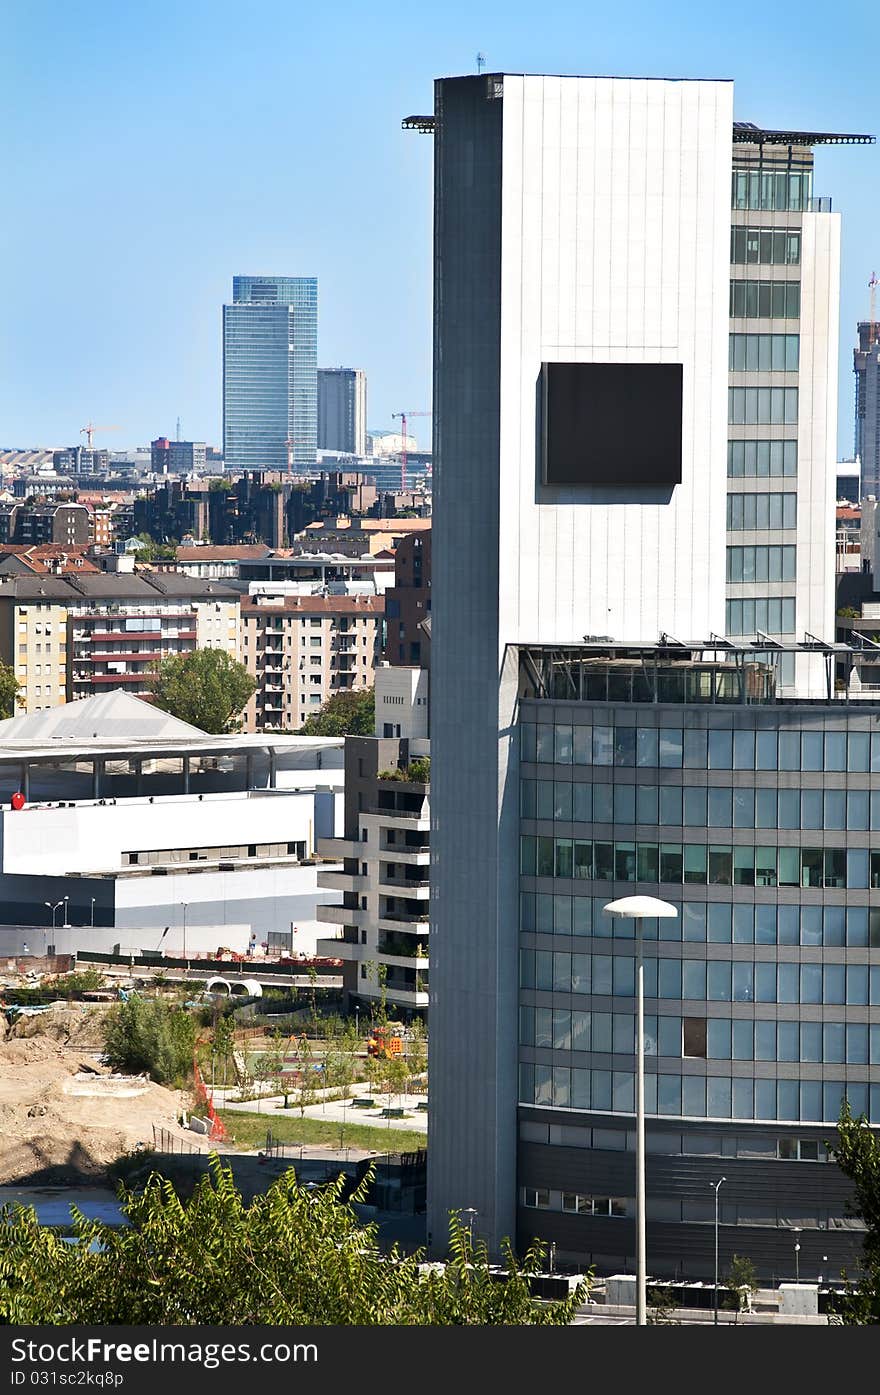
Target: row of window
x=747, y=564
x=696, y=806
x=675, y=748
x=761, y=459
x=712, y=922
x=701, y=980
x=765, y=300
x=700, y=1038
x=764, y=353
x=662, y=1141
x=762, y=406
x=676, y=1209
x=745, y=511
x=772, y=615
x=700, y=864
x=765, y=247
x=771, y=191
x=697, y=1096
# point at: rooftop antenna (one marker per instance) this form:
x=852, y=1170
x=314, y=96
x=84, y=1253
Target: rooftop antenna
x=872, y=287
x=178, y=428
x=481, y=62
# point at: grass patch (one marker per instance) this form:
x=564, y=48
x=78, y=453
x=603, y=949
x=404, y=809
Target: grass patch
x=249, y=1131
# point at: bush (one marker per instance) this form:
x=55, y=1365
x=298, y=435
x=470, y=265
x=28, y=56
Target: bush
x=152, y=1036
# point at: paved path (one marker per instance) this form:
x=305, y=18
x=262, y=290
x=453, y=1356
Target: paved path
x=334, y=1111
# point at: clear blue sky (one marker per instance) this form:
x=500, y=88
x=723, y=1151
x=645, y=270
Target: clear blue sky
x=153, y=148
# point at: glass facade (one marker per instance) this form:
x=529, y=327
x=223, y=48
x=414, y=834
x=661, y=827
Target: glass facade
x=762, y=827
x=270, y=373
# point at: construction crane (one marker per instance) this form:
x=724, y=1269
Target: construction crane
x=89, y=431
x=403, y=420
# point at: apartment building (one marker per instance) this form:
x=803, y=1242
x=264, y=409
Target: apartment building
x=385, y=852
x=74, y=636
x=408, y=602
x=303, y=649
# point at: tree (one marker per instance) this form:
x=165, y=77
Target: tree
x=151, y=1035
x=742, y=1282
x=293, y=1256
x=9, y=690
x=349, y=713
x=857, y=1154
x=207, y=688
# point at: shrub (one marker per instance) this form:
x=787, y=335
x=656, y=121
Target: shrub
x=153, y=1036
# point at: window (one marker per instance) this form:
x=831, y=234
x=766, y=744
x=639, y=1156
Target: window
x=749, y=564
x=762, y=406
x=764, y=353
x=694, y=1037
x=536, y=1196
x=771, y=190
x=764, y=246
x=761, y=459
x=761, y=511
x=580, y=1205
x=765, y=300
x=772, y=614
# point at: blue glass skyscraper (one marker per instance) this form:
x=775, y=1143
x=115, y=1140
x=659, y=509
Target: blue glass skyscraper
x=270, y=372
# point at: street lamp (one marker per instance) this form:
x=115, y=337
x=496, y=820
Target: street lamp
x=357, y=1021
x=93, y=913
x=470, y=1211
x=184, y=906
x=797, y=1253
x=639, y=908
x=53, y=909
x=716, y=1186
x=66, y=921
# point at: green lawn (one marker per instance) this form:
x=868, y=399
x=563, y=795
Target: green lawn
x=249, y=1131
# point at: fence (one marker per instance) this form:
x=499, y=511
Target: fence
x=166, y=1142
x=217, y=1131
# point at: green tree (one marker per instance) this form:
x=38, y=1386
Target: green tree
x=9, y=690
x=857, y=1154
x=293, y=1256
x=207, y=688
x=349, y=713
x=152, y=1035
x=742, y=1282
x=223, y=1042
x=663, y=1306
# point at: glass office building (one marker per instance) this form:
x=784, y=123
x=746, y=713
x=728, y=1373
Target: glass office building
x=760, y=822
x=270, y=373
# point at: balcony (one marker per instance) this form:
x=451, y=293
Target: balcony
x=341, y=915
x=396, y=886
x=395, y=921
x=338, y=848
x=407, y=948
x=342, y=881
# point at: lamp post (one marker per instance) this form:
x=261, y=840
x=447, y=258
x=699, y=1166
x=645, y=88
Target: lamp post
x=93, y=913
x=797, y=1253
x=53, y=909
x=357, y=1021
x=470, y=1212
x=66, y=922
x=183, y=907
x=716, y=1187
x=639, y=908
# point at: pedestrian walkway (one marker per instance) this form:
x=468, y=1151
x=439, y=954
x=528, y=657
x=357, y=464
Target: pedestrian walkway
x=394, y=1112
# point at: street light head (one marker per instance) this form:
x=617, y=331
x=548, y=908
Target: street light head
x=636, y=907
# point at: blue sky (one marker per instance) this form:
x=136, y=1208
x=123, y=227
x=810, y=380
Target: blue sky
x=154, y=149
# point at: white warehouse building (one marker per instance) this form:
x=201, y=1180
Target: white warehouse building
x=138, y=830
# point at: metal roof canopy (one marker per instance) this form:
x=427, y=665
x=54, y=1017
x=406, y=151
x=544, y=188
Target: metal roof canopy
x=747, y=133
x=744, y=133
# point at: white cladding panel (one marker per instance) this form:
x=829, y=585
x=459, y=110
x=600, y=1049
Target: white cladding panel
x=817, y=439
x=615, y=248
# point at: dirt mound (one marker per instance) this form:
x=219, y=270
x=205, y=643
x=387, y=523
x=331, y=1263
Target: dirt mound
x=72, y=1024
x=54, y=1127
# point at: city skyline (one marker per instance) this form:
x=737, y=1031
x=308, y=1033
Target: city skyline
x=140, y=287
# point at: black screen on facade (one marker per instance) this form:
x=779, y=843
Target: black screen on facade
x=612, y=423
